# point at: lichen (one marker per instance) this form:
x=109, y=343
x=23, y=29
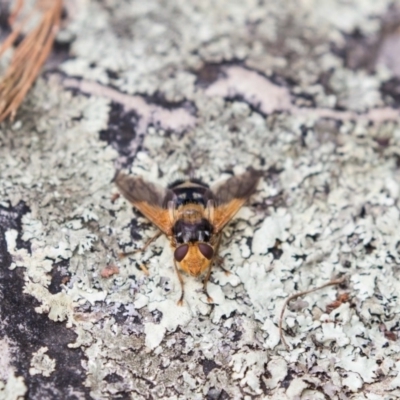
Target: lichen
x=13, y=389
x=41, y=363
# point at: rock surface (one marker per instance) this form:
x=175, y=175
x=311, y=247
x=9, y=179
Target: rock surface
x=307, y=92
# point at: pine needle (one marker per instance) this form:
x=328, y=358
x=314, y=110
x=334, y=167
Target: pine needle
x=300, y=294
x=29, y=56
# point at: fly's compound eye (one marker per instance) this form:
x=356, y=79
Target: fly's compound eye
x=206, y=250
x=180, y=252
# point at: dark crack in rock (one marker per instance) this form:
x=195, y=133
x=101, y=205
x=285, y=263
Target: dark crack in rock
x=121, y=134
x=27, y=331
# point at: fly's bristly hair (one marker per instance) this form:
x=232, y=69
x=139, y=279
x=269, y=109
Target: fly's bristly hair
x=190, y=213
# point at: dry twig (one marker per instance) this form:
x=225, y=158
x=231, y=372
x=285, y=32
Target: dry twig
x=295, y=296
x=29, y=56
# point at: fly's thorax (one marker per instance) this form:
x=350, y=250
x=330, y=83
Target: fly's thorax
x=190, y=212
x=189, y=204
x=192, y=227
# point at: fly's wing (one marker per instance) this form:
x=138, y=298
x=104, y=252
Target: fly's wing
x=148, y=198
x=231, y=195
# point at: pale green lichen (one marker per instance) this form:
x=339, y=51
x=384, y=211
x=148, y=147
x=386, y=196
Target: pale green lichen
x=41, y=363
x=13, y=389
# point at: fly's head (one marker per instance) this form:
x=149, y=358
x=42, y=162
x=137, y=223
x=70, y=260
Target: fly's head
x=194, y=257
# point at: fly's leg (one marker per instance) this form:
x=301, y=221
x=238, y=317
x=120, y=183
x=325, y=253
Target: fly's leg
x=180, y=301
x=207, y=277
x=114, y=197
x=209, y=298
x=151, y=240
x=220, y=261
x=147, y=244
x=144, y=269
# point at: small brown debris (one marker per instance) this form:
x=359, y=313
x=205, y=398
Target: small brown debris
x=341, y=298
x=383, y=141
x=65, y=279
x=388, y=334
x=109, y=271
